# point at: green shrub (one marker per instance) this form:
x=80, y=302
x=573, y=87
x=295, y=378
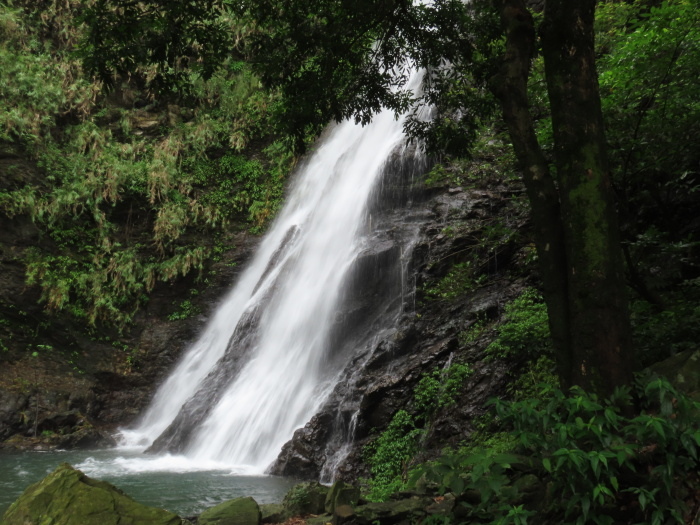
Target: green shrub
x=525, y=330
x=125, y=206
x=626, y=459
x=390, y=454
x=459, y=280
x=599, y=459
x=439, y=389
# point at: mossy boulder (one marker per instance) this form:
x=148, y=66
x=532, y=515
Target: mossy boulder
x=306, y=498
x=402, y=511
x=239, y=511
x=69, y=497
x=273, y=513
x=341, y=493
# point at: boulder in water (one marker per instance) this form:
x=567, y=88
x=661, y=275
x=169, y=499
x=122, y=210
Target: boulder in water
x=69, y=497
x=239, y=511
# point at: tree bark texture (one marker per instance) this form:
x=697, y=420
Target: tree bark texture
x=510, y=87
x=574, y=216
x=600, y=332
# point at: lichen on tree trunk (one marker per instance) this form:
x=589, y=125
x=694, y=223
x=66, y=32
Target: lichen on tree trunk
x=575, y=222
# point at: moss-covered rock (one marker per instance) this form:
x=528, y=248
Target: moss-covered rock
x=341, y=493
x=69, y=497
x=273, y=513
x=306, y=498
x=239, y=511
x=405, y=510
x=323, y=519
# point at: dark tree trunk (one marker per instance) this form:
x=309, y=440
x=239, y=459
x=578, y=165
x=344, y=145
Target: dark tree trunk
x=600, y=333
x=574, y=220
x=510, y=87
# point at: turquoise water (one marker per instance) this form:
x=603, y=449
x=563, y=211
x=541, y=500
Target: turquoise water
x=167, y=482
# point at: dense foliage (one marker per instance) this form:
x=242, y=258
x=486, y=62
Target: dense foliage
x=650, y=96
x=122, y=186
x=579, y=460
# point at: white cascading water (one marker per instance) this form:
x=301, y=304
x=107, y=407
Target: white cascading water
x=284, y=381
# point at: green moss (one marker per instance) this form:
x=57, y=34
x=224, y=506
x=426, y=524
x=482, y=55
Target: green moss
x=240, y=511
x=68, y=497
x=460, y=279
x=589, y=216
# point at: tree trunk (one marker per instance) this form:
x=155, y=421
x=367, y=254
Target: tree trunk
x=574, y=220
x=600, y=333
x=510, y=87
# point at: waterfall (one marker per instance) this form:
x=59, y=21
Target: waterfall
x=268, y=359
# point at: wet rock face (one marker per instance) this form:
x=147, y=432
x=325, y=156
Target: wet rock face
x=380, y=379
x=304, y=453
x=11, y=403
x=74, y=372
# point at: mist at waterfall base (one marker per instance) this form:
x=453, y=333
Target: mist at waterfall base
x=185, y=492
x=270, y=356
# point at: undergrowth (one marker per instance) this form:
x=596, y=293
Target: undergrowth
x=391, y=454
x=577, y=459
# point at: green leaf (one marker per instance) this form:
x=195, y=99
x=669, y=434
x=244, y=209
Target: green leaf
x=585, y=506
x=614, y=483
x=457, y=485
x=547, y=464
x=642, y=500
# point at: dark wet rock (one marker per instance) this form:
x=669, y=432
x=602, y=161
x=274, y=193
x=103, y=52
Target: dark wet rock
x=291, y=235
x=389, y=512
x=240, y=511
x=11, y=404
x=69, y=497
x=445, y=228
x=65, y=430
x=302, y=456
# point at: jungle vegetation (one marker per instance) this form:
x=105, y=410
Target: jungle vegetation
x=599, y=102
x=535, y=71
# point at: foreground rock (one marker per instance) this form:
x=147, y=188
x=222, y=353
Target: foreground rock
x=239, y=511
x=69, y=497
x=305, y=499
